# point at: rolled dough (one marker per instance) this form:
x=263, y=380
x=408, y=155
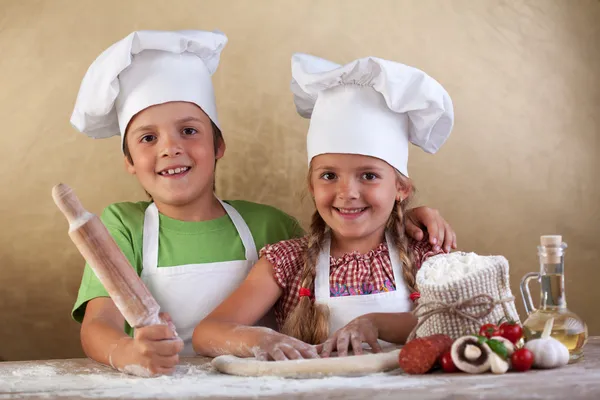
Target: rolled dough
x=310, y=368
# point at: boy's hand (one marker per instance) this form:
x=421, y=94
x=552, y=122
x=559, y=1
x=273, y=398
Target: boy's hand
x=441, y=234
x=153, y=350
x=358, y=331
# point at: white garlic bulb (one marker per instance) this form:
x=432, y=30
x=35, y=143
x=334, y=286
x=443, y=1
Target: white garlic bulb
x=547, y=351
x=497, y=364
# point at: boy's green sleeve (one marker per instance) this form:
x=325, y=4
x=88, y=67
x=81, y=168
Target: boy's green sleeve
x=296, y=230
x=91, y=287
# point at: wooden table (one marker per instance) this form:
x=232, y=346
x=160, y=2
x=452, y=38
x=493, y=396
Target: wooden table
x=195, y=379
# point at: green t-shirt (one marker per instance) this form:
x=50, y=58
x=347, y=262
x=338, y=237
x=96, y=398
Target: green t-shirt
x=183, y=242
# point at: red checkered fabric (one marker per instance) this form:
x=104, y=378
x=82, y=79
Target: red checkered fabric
x=351, y=274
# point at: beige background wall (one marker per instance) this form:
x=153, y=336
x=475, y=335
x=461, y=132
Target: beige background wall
x=522, y=161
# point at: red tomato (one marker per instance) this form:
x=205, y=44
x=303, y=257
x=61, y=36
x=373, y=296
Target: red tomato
x=489, y=330
x=511, y=331
x=522, y=360
x=447, y=363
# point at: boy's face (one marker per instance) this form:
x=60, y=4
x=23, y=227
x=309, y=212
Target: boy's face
x=171, y=146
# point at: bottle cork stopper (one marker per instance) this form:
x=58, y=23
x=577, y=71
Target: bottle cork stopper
x=553, y=245
x=551, y=240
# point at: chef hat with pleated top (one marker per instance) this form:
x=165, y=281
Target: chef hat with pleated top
x=371, y=107
x=147, y=68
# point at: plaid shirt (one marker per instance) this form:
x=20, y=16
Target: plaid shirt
x=350, y=275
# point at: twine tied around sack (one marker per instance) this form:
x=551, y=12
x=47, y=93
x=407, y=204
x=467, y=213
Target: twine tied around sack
x=457, y=308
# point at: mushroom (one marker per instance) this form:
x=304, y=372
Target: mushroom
x=471, y=356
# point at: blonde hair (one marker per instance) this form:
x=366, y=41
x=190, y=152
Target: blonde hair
x=309, y=321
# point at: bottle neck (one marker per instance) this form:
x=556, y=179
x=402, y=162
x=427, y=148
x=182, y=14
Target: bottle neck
x=552, y=278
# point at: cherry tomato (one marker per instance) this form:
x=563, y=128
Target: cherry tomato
x=511, y=331
x=522, y=360
x=447, y=363
x=489, y=330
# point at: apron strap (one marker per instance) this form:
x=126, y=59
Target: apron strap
x=394, y=260
x=243, y=231
x=322, y=292
x=150, y=239
x=396, y=266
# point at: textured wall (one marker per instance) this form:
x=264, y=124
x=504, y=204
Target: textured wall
x=522, y=161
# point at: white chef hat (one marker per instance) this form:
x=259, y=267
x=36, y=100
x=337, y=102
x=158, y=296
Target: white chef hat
x=144, y=69
x=370, y=106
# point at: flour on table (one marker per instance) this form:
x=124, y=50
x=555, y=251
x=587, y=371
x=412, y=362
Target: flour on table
x=39, y=371
x=196, y=379
x=51, y=381
x=137, y=370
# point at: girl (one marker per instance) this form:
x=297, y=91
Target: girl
x=352, y=279
x=154, y=90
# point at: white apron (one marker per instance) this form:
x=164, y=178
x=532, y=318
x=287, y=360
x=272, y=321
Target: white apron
x=344, y=309
x=190, y=292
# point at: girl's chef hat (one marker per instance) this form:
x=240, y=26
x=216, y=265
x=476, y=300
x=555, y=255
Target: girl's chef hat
x=144, y=69
x=370, y=106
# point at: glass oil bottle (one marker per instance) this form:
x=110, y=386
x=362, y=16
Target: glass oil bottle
x=568, y=328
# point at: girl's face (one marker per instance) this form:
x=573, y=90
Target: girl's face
x=355, y=194
x=171, y=146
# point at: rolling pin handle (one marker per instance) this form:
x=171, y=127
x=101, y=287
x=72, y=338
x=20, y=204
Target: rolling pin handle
x=68, y=203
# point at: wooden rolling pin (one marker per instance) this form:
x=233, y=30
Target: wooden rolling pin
x=126, y=289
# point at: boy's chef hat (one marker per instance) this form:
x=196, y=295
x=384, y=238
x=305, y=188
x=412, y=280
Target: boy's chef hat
x=144, y=69
x=370, y=106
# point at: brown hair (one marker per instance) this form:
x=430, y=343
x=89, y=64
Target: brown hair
x=309, y=321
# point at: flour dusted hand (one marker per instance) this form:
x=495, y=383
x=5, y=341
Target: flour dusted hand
x=358, y=331
x=153, y=350
x=280, y=347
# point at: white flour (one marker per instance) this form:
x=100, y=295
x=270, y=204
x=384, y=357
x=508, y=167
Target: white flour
x=41, y=370
x=50, y=380
x=137, y=370
x=188, y=380
x=447, y=268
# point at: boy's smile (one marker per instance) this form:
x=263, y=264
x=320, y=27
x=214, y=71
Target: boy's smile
x=174, y=171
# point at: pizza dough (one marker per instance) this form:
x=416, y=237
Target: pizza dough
x=309, y=368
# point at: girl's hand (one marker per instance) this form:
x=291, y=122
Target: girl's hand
x=153, y=350
x=279, y=347
x=441, y=234
x=358, y=331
